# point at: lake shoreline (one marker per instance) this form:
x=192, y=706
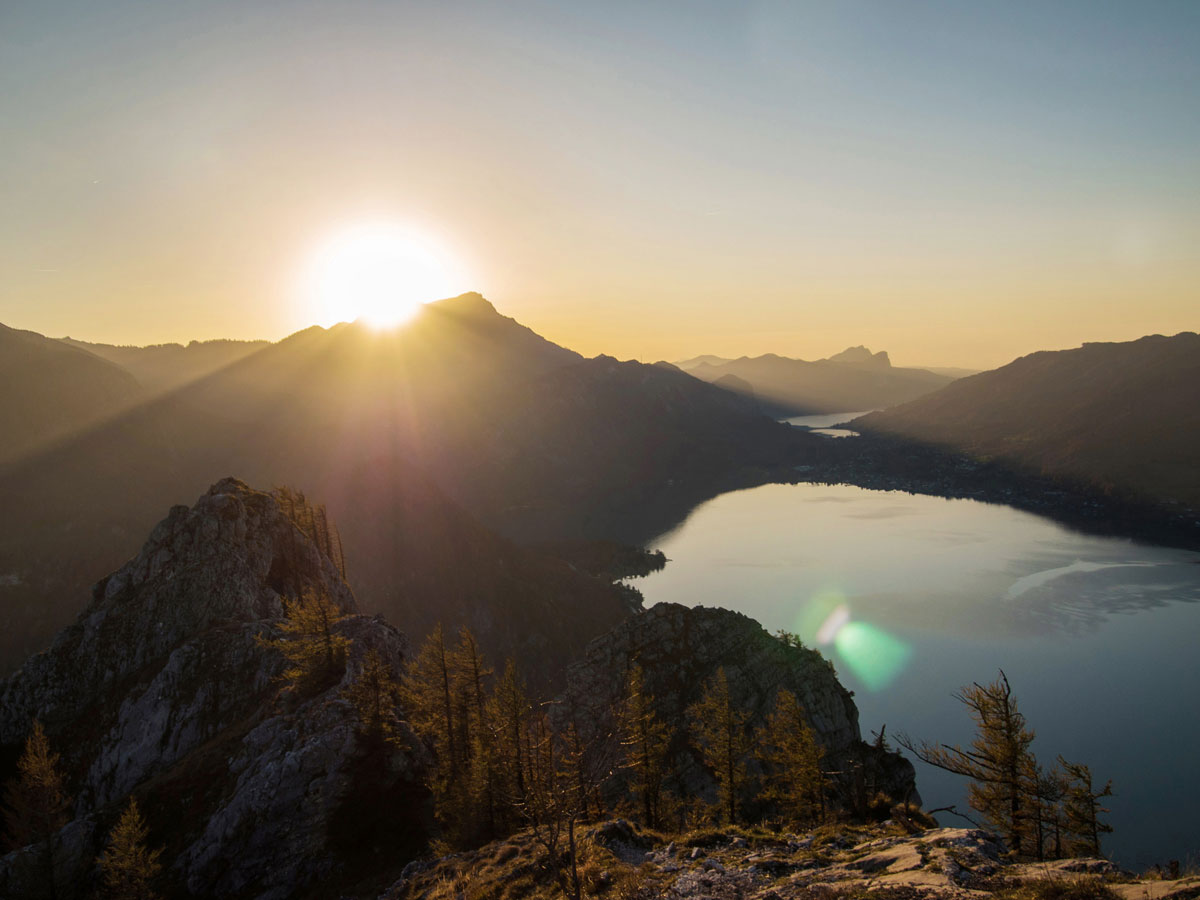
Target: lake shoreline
x=887, y=464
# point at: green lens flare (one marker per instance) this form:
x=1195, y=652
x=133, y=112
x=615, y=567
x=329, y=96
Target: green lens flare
x=815, y=612
x=873, y=655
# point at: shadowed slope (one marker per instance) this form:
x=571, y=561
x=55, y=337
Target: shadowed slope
x=49, y=391
x=164, y=367
x=382, y=427
x=1119, y=415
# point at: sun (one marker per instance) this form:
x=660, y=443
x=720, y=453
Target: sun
x=380, y=273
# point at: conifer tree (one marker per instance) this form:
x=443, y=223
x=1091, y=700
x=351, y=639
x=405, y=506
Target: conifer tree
x=646, y=741
x=792, y=757
x=1082, y=810
x=37, y=803
x=719, y=730
x=470, y=677
x=314, y=650
x=375, y=694
x=998, y=760
x=508, y=712
x=128, y=867
x=427, y=698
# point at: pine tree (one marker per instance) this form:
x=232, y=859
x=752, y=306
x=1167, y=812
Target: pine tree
x=1082, y=810
x=37, y=803
x=128, y=867
x=792, y=757
x=719, y=730
x=646, y=741
x=315, y=651
x=997, y=762
x=375, y=694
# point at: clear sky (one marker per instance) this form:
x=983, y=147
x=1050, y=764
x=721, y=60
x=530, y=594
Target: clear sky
x=958, y=183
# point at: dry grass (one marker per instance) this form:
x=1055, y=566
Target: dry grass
x=1060, y=889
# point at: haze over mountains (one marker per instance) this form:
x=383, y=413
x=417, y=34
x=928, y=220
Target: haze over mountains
x=854, y=379
x=421, y=442
x=162, y=367
x=1123, y=416
x=49, y=390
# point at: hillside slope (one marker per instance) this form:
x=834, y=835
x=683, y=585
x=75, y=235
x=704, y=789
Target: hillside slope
x=464, y=405
x=1122, y=416
x=49, y=391
x=162, y=367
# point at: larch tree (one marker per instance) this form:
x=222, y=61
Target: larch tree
x=508, y=711
x=646, y=740
x=37, y=804
x=128, y=867
x=309, y=641
x=997, y=761
x=792, y=758
x=719, y=731
x=1082, y=810
x=375, y=695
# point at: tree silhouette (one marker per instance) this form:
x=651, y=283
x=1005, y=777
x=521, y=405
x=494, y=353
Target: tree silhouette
x=719, y=730
x=1082, y=809
x=997, y=761
x=792, y=762
x=646, y=740
x=375, y=694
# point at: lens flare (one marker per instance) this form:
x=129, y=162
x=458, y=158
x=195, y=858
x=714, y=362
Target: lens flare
x=872, y=654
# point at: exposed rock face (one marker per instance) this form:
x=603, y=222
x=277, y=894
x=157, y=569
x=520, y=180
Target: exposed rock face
x=162, y=690
x=681, y=648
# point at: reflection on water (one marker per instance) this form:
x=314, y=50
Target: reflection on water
x=820, y=424
x=914, y=596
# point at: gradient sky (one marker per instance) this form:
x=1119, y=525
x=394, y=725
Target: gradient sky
x=958, y=183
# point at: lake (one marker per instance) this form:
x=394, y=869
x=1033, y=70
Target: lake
x=914, y=596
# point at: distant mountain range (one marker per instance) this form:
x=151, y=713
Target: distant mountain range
x=854, y=379
x=49, y=390
x=1122, y=416
x=421, y=442
x=163, y=367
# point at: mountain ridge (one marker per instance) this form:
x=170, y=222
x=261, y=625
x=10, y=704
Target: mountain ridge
x=1118, y=415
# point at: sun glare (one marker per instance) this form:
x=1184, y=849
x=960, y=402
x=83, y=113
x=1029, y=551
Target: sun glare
x=380, y=273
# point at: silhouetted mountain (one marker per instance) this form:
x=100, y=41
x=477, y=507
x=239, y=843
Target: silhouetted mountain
x=706, y=359
x=1119, y=415
x=861, y=356
x=952, y=371
x=854, y=379
x=163, y=367
x=528, y=436
x=49, y=391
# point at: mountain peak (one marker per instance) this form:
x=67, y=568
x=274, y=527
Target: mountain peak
x=861, y=356
x=471, y=303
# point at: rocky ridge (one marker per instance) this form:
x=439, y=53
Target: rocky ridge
x=162, y=690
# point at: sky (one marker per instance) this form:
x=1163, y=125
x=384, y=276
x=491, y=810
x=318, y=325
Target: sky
x=956, y=183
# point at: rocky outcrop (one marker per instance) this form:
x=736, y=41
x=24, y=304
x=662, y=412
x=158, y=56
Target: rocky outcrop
x=163, y=690
x=835, y=861
x=680, y=648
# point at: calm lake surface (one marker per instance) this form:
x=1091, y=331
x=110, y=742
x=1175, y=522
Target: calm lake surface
x=920, y=595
